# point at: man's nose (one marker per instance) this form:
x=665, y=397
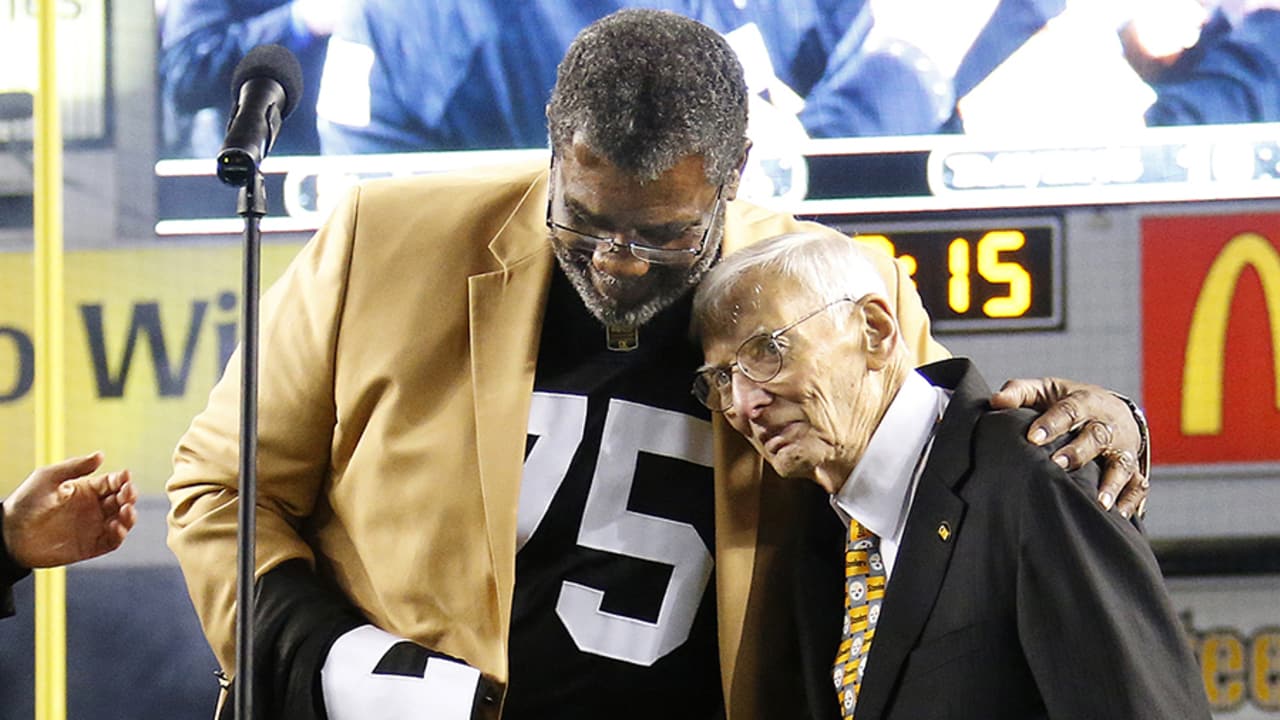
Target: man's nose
x=618, y=261
x=748, y=397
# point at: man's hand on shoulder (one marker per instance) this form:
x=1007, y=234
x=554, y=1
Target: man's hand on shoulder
x=1105, y=425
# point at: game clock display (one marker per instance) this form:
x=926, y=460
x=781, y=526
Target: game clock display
x=981, y=275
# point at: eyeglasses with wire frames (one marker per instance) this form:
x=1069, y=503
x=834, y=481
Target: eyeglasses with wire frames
x=759, y=358
x=656, y=254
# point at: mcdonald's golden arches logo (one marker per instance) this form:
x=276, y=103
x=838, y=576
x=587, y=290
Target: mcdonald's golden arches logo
x=1211, y=337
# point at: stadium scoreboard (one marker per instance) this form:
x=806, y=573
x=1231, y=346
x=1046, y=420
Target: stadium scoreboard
x=980, y=275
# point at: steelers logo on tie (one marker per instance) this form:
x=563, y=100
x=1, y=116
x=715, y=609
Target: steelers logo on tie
x=873, y=614
x=857, y=589
x=864, y=544
x=877, y=564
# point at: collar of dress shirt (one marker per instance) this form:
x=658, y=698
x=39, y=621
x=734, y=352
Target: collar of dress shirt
x=879, y=490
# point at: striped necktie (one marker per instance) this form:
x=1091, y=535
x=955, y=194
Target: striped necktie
x=864, y=591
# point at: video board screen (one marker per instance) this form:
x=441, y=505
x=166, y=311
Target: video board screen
x=858, y=106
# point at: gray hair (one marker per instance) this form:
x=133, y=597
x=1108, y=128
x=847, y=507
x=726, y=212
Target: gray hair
x=646, y=89
x=826, y=265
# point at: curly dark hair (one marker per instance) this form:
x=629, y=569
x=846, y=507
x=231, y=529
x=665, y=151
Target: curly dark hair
x=647, y=88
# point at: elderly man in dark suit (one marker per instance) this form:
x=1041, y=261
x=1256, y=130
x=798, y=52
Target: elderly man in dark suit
x=969, y=588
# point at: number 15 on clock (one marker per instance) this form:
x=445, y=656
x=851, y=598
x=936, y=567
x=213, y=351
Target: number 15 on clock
x=981, y=275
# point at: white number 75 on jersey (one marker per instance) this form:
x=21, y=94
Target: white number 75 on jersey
x=607, y=524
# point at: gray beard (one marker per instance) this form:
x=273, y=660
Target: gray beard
x=668, y=286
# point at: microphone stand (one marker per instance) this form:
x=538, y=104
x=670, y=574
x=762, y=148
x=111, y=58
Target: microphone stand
x=262, y=84
x=252, y=206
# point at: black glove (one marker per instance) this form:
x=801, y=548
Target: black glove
x=297, y=617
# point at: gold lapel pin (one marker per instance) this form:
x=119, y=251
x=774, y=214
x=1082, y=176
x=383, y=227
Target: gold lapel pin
x=944, y=531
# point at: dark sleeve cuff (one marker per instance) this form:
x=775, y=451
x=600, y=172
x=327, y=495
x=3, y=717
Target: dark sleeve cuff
x=10, y=571
x=297, y=618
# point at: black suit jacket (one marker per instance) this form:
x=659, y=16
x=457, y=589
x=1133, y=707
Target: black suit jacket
x=10, y=573
x=1013, y=595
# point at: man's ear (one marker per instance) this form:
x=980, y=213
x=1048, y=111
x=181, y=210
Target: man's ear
x=879, y=331
x=731, y=187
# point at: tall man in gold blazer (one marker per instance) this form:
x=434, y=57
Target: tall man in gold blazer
x=484, y=486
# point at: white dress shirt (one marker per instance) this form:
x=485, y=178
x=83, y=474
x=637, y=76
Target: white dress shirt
x=879, y=491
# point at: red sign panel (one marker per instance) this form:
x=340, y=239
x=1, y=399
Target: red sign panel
x=1211, y=338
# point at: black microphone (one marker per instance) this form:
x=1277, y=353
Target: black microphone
x=264, y=89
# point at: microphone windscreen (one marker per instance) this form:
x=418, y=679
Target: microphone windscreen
x=273, y=62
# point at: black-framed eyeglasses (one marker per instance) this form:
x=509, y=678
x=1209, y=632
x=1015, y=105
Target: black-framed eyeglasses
x=759, y=358
x=656, y=253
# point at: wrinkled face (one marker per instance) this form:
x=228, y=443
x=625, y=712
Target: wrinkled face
x=811, y=420
x=676, y=211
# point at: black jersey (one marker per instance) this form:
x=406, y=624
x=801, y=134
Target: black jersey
x=614, y=606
